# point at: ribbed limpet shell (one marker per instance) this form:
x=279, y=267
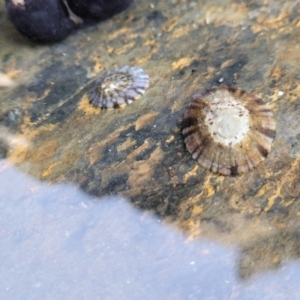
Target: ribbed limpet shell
x=228, y=131
x=119, y=88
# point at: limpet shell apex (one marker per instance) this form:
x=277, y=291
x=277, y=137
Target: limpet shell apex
x=228, y=131
x=119, y=88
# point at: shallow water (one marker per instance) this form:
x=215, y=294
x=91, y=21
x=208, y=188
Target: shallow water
x=58, y=243
x=109, y=205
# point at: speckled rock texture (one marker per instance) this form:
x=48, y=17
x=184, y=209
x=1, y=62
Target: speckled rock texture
x=51, y=132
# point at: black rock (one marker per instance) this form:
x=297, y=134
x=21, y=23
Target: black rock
x=40, y=20
x=97, y=10
x=49, y=21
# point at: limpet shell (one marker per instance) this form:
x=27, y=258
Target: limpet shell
x=228, y=131
x=119, y=88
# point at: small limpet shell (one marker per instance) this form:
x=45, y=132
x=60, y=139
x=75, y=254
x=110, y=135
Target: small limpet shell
x=228, y=131
x=119, y=87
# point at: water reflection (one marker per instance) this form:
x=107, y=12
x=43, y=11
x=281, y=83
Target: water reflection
x=57, y=243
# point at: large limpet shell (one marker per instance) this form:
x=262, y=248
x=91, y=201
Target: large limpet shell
x=228, y=131
x=119, y=87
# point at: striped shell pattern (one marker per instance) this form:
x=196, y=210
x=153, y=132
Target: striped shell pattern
x=119, y=88
x=228, y=131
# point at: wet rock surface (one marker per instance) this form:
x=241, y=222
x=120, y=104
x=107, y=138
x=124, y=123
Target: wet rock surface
x=186, y=47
